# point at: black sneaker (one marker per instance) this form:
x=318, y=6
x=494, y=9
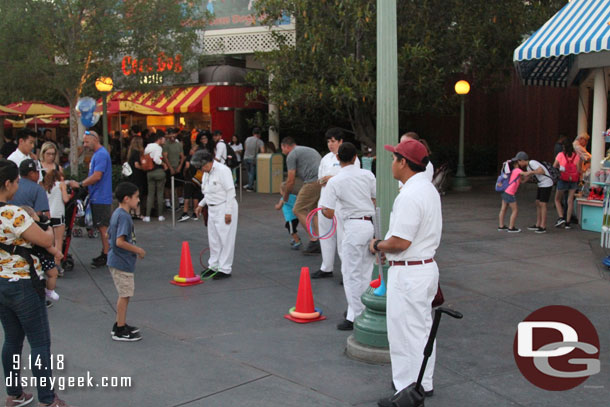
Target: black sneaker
x=312, y=248
x=345, y=325
x=130, y=328
x=184, y=217
x=194, y=217
x=502, y=228
x=533, y=227
x=126, y=335
x=514, y=230
x=540, y=230
x=322, y=274
x=567, y=226
x=99, y=261
x=220, y=276
x=49, y=304
x=559, y=222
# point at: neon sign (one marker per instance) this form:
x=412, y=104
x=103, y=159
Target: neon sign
x=148, y=66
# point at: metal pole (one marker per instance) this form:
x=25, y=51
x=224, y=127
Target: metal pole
x=173, y=204
x=105, y=122
x=460, y=182
x=241, y=182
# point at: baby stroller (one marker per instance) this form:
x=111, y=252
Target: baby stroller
x=74, y=209
x=84, y=220
x=440, y=179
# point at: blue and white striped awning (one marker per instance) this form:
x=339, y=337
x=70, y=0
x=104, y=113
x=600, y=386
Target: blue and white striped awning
x=581, y=26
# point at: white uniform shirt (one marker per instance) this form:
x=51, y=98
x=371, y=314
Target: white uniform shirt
x=17, y=157
x=155, y=151
x=354, y=189
x=221, y=152
x=429, y=174
x=217, y=187
x=417, y=217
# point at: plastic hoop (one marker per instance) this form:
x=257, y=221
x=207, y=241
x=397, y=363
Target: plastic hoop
x=201, y=253
x=186, y=279
x=309, y=224
x=304, y=315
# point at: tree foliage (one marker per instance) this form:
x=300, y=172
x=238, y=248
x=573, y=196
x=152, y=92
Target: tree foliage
x=62, y=46
x=332, y=69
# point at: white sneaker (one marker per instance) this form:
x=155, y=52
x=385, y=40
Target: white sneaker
x=51, y=294
x=146, y=219
x=161, y=218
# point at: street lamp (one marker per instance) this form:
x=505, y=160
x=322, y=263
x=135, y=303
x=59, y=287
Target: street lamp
x=460, y=182
x=104, y=85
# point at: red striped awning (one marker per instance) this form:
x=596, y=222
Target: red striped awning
x=189, y=99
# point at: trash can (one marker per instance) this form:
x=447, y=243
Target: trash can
x=269, y=173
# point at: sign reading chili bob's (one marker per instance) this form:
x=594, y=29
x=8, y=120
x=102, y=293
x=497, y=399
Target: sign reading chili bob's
x=163, y=63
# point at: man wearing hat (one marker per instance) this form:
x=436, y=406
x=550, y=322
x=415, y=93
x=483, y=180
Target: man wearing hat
x=219, y=195
x=30, y=193
x=413, y=236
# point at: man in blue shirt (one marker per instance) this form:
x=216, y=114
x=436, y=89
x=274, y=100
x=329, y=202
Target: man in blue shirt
x=99, y=183
x=29, y=192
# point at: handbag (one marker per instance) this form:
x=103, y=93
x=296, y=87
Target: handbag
x=146, y=162
x=439, y=299
x=126, y=170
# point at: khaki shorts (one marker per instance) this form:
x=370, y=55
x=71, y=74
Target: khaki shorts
x=123, y=281
x=308, y=198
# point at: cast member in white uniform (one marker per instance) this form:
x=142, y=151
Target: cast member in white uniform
x=220, y=148
x=219, y=195
x=329, y=167
x=353, y=190
x=410, y=245
x=429, y=167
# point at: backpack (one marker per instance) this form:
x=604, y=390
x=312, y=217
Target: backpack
x=554, y=173
x=570, y=174
x=231, y=160
x=146, y=162
x=503, y=179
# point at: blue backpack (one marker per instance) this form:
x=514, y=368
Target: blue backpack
x=503, y=180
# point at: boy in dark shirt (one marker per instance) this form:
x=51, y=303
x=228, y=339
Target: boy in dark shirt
x=122, y=258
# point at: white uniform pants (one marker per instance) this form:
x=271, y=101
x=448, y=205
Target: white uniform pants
x=328, y=246
x=221, y=238
x=411, y=290
x=356, y=264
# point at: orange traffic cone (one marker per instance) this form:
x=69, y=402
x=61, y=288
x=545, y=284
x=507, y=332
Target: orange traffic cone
x=186, y=276
x=304, y=311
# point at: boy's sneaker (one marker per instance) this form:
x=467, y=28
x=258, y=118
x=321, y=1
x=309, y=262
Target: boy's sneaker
x=51, y=294
x=49, y=304
x=130, y=328
x=19, y=401
x=125, y=335
x=312, y=248
x=99, y=261
x=514, y=230
x=146, y=219
x=502, y=228
x=296, y=245
x=533, y=227
x=184, y=217
x=540, y=230
x=559, y=222
x=567, y=226
x=194, y=217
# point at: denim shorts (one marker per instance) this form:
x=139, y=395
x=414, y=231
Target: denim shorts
x=566, y=185
x=508, y=198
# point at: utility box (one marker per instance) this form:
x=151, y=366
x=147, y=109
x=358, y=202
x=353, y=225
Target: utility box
x=269, y=173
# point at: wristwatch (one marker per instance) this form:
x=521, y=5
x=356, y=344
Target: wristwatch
x=375, y=244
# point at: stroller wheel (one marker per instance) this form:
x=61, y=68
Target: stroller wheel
x=96, y=233
x=68, y=264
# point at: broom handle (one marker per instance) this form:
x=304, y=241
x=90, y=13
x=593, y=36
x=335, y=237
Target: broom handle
x=377, y=229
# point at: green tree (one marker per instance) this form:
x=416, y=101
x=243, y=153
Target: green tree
x=62, y=46
x=332, y=67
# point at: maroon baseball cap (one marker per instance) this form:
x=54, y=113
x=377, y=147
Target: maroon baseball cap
x=411, y=149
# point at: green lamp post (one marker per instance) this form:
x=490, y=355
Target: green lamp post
x=369, y=341
x=460, y=182
x=104, y=85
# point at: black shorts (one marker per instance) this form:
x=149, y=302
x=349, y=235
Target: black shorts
x=544, y=194
x=101, y=214
x=292, y=226
x=58, y=221
x=192, y=190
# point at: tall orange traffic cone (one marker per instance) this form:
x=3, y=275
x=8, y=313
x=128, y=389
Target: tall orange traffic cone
x=186, y=276
x=304, y=311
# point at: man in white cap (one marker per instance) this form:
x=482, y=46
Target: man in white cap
x=413, y=236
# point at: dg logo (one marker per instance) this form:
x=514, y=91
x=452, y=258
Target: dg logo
x=557, y=348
